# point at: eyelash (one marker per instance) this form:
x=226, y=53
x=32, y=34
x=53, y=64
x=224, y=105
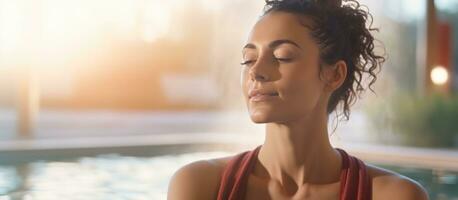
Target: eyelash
x=247, y=62
x=279, y=59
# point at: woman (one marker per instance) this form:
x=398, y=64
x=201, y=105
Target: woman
x=302, y=59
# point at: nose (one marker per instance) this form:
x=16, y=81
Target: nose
x=259, y=77
x=258, y=72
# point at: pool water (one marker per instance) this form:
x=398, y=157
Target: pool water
x=104, y=177
x=117, y=177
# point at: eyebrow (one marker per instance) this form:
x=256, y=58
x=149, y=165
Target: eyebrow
x=274, y=44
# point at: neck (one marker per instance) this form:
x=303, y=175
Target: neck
x=299, y=153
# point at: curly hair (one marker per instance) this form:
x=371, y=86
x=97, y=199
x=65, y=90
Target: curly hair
x=341, y=33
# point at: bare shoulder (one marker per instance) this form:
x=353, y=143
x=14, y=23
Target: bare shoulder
x=387, y=184
x=198, y=180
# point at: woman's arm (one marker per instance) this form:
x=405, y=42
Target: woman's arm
x=387, y=184
x=397, y=187
x=406, y=189
x=195, y=181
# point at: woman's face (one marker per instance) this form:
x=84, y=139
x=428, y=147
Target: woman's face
x=279, y=77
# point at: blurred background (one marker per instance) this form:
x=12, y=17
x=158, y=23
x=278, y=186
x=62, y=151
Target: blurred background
x=106, y=99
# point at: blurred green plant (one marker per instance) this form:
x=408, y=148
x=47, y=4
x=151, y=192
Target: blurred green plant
x=430, y=121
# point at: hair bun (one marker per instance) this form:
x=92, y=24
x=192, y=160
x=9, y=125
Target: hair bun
x=329, y=3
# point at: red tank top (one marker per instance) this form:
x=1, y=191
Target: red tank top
x=355, y=183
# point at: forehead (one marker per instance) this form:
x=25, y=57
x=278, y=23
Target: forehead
x=281, y=25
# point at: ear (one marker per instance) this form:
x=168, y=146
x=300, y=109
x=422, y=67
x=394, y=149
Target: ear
x=335, y=75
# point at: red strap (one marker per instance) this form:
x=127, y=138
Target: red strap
x=355, y=181
x=235, y=175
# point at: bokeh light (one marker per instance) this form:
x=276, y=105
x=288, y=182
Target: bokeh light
x=439, y=75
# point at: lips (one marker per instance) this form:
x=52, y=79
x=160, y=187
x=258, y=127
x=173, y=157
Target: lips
x=261, y=93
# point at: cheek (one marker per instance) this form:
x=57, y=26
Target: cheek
x=300, y=86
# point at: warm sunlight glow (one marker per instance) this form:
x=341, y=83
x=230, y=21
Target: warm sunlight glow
x=156, y=20
x=56, y=30
x=11, y=20
x=60, y=29
x=439, y=75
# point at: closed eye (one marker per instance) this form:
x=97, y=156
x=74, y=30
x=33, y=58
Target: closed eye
x=248, y=62
x=284, y=59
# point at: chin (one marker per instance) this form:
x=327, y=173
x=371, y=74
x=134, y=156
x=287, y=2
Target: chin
x=261, y=118
x=259, y=121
